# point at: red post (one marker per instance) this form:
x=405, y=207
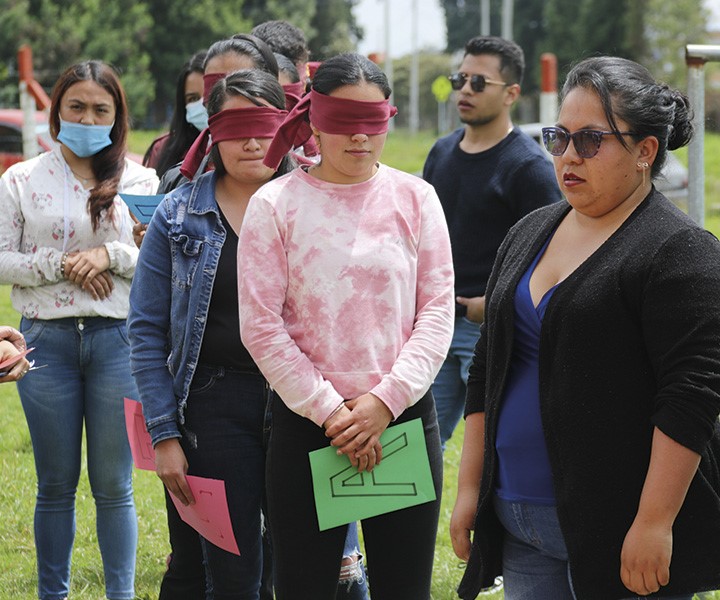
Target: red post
x=548, y=71
x=25, y=70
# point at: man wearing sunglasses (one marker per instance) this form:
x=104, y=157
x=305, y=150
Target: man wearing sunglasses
x=488, y=175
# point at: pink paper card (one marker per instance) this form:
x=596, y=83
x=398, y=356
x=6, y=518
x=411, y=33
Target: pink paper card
x=140, y=445
x=8, y=364
x=209, y=516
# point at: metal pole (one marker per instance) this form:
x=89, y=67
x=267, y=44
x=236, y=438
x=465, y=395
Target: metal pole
x=484, y=17
x=414, y=73
x=29, y=134
x=388, y=60
x=507, y=19
x=696, y=152
x=696, y=56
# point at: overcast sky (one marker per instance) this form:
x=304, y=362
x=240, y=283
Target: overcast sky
x=431, y=24
x=714, y=6
x=370, y=14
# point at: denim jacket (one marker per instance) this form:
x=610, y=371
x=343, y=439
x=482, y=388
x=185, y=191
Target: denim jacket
x=169, y=301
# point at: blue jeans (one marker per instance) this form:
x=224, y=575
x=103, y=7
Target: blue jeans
x=87, y=377
x=450, y=385
x=354, y=587
x=225, y=414
x=535, y=559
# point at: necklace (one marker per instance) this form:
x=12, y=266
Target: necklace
x=81, y=178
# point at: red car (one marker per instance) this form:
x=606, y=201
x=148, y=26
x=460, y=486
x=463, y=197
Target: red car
x=11, y=147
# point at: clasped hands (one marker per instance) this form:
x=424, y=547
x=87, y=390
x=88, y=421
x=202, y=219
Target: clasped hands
x=355, y=430
x=89, y=270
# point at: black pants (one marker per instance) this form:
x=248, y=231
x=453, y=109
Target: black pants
x=399, y=545
x=185, y=576
x=227, y=411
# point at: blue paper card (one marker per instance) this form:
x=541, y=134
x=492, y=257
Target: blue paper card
x=141, y=206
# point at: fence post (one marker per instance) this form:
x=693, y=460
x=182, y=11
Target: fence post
x=696, y=56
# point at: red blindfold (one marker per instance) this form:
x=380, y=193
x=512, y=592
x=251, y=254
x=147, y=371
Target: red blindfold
x=208, y=82
x=329, y=114
x=232, y=124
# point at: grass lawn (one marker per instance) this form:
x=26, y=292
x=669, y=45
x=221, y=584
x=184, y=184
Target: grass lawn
x=17, y=476
x=17, y=492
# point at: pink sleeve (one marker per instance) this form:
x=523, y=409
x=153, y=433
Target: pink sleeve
x=262, y=286
x=425, y=350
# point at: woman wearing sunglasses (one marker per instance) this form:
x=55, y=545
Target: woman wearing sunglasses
x=592, y=444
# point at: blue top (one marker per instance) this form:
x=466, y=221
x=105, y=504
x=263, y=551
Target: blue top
x=524, y=473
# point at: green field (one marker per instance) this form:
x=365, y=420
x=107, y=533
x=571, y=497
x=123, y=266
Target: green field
x=17, y=476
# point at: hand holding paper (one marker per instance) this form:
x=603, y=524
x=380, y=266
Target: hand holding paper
x=208, y=512
x=404, y=479
x=12, y=366
x=171, y=467
x=209, y=516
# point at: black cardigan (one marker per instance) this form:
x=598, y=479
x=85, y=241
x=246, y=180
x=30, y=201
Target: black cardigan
x=629, y=341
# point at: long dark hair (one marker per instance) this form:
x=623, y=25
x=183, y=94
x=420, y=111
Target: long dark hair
x=251, y=84
x=108, y=164
x=182, y=134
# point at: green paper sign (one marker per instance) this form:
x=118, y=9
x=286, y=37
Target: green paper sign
x=403, y=479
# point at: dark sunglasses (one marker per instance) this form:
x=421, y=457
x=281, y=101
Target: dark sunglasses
x=477, y=82
x=586, y=141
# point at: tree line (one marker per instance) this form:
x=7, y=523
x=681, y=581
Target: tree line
x=149, y=40
x=652, y=32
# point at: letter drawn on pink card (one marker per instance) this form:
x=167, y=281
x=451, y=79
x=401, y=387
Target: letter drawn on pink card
x=209, y=516
x=140, y=444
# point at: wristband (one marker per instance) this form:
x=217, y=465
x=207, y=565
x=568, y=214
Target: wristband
x=63, y=260
x=336, y=410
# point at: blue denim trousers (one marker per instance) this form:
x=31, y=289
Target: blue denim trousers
x=87, y=377
x=225, y=417
x=354, y=587
x=450, y=385
x=535, y=559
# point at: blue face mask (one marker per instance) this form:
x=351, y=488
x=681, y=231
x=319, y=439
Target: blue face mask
x=196, y=114
x=84, y=140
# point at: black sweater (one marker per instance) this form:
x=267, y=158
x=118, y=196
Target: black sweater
x=483, y=195
x=630, y=341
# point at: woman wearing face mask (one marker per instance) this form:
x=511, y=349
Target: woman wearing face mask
x=346, y=289
x=241, y=51
x=203, y=397
x=67, y=248
x=188, y=120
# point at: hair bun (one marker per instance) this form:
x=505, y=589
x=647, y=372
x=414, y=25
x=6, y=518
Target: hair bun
x=681, y=127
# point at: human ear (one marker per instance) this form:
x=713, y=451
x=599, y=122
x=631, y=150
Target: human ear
x=647, y=149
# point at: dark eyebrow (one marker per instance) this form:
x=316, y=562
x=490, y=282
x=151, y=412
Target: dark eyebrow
x=98, y=105
x=584, y=127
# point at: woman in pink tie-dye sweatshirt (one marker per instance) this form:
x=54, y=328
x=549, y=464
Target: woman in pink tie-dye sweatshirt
x=346, y=305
